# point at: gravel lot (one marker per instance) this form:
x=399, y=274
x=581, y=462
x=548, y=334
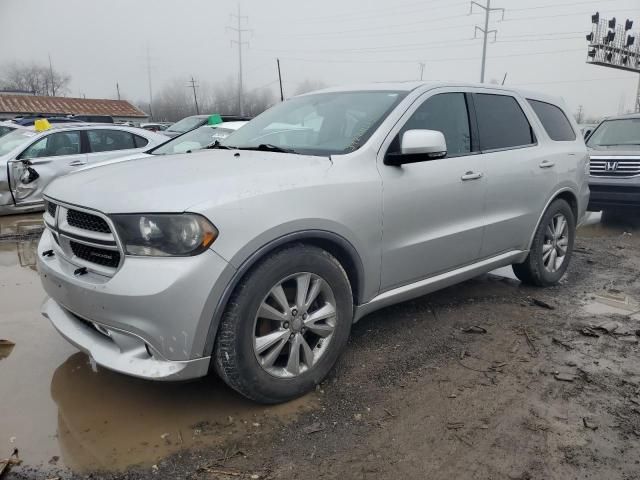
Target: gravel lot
x=487, y=379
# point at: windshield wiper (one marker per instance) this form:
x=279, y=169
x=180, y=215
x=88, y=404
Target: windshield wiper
x=268, y=147
x=217, y=144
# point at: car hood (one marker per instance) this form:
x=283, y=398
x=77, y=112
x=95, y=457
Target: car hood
x=173, y=183
x=622, y=150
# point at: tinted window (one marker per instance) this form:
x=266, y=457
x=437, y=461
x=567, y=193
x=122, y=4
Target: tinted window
x=501, y=122
x=140, y=141
x=446, y=113
x=109, y=140
x=554, y=121
x=4, y=130
x=54, y=145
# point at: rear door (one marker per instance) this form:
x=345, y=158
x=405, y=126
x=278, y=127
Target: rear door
x=433, y=210
x=51, y=156
x=520, y=174
x=106, y=143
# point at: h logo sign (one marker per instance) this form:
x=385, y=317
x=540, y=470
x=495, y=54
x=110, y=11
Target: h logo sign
x=611, y=166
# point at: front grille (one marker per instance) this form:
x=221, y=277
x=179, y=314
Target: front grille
x=86, y=221
x=614, y=167
x=101, y=256
x=51, y=208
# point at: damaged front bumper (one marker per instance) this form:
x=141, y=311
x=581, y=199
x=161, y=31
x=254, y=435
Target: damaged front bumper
x=149, y=320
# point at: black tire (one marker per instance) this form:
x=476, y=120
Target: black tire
x=532, y=271
x=234, y=357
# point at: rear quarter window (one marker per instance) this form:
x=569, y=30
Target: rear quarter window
x=554, y=121
x=501, y=122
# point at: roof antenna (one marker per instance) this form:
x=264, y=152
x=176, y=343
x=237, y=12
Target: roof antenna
x=504, y=79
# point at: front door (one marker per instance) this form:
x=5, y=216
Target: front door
x=433, y=210
x=49, y=157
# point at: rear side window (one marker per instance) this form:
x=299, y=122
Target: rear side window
x=554, y=121
x=501, y=122
x=104, y=140
x=140, y=141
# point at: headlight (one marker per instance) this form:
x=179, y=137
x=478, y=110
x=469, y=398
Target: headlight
x=166, y=235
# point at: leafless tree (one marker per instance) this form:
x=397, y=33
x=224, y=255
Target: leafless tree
x=35, y=78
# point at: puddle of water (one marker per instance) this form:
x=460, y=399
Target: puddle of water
x=612, y=303
x=55, y=404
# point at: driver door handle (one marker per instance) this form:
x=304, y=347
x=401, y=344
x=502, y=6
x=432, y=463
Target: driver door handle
x=471, y=176
x=77, y=163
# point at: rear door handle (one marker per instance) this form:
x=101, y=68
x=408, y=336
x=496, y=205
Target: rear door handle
x=547, y=164
x=77, y=163
x=471, y=176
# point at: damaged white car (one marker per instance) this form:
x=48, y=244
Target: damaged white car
x=30, y=159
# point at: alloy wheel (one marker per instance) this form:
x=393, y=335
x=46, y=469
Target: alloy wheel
x=556, y=243
x=294, y=325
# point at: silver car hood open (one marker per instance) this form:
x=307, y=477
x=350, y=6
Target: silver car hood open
x=157, y=183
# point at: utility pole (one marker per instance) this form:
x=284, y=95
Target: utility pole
x=239, y=30
x=422, y=65
x=195, y=97
x=149, y=78
x=280, y=80
x=53, y=84
x=579, y=114
x=485, y=31
x=118, y=90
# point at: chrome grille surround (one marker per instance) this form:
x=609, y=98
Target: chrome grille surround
x=614, y=166
x=68, y=237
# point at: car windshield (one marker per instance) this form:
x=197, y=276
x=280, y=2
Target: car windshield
x=14, y=139
x=616, y=132
x=193, y=140
x=318, y=124
x=185, y=124
x=4, y=129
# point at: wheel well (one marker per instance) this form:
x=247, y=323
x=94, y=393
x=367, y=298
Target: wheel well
x=337, y=246
x=571, y=199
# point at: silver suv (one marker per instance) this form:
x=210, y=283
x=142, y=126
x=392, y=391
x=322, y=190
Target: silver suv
x=615, y=163
x=254, y=258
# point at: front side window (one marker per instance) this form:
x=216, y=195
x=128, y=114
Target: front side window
x=108, y=140
x=554, y=121
x=319, y=124
x=612, y=133
x=501, y=122
x=446, y=113
x=54, y=145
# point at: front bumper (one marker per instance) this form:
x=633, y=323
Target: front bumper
x=149, y=320
x=618, y=195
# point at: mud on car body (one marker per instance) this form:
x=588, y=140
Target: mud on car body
x=253, y=259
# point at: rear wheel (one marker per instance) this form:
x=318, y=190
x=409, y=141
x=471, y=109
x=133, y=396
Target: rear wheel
x=551, y=249
x=286, y=325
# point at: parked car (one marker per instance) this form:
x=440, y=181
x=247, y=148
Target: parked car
x=7, y=127
x=587, y=128
x=29, y=159
x=93, y=118
x=30, y=121
x=188, y=142
x=155, y=127
x=195, y=121
x=614, y=178
x=254, y=258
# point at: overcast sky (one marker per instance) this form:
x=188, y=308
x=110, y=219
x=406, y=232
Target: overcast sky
x=540, y=44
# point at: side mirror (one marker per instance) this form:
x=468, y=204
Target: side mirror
x=418, y=146
x=587, y=133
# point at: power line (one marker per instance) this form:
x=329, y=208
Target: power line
x=553, y=5
x=239, y=30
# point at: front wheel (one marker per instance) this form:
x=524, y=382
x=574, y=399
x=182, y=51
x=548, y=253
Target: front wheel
x=551, y=249
x=286, y=325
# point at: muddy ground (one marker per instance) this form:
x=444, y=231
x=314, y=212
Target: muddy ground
x=533, y=391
